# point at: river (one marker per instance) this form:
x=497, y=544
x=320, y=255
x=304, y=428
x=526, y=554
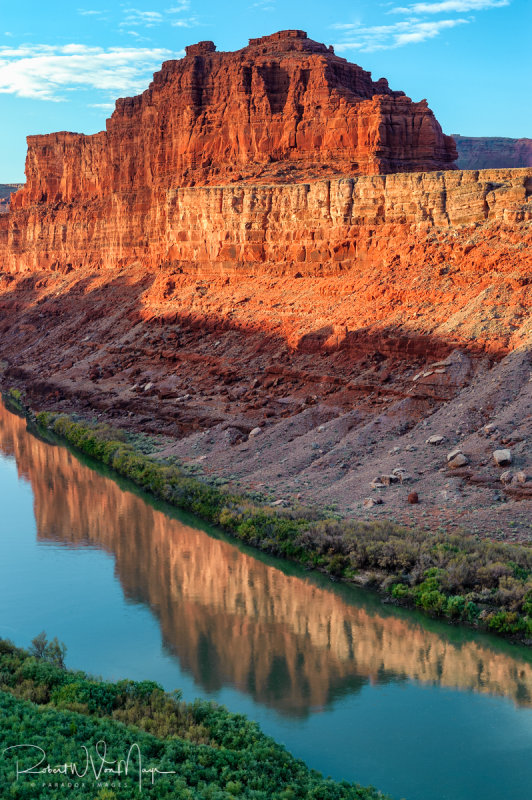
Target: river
x=359, y=690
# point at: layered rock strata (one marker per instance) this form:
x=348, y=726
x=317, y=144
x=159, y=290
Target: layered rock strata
x=281, y=110
x=324, y=225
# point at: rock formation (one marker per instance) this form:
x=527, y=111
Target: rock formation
x=284, y=105
x=477, y=152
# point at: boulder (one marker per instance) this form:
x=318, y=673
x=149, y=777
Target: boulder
x=387, y=480
x=457, y=451
x=459, y=460
x=369, y=502
x=502, y=457
x=435, y=439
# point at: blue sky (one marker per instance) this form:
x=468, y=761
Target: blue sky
x=62, y=65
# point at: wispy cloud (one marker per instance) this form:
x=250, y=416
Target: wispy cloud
x=184, y=5
x=418, y=27
x=45, y=72
x=263, y=5
x=449, y=6
x=186, y=22
x=88, y=12
x=386, y=37
x=136, y=17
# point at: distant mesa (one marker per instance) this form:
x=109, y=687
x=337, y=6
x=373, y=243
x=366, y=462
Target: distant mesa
x=6, y=190
x=493, y=152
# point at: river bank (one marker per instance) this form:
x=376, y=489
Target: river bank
x=457, y=577
x=170, y=748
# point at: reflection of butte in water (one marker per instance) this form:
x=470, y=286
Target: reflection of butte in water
x=233, y=619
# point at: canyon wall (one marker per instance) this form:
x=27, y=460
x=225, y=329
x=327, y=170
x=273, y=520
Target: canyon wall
x=320, y=225
x=492, y=152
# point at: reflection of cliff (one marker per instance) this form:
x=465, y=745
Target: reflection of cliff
x=233, y=619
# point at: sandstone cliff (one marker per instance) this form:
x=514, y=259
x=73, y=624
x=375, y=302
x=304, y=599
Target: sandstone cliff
x=477, y=152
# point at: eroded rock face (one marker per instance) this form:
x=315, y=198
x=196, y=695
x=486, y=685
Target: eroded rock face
x=284, y=105
x=253, y=157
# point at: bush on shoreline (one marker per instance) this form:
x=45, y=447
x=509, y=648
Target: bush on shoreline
x=213, y=754
x=455, y=576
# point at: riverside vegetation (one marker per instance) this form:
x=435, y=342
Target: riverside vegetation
x=213, y=754
x=455, y=576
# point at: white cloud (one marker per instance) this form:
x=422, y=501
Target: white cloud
x=87, y=12
x=45, y=72
x=449, y=6
x=418, y=27
x=386, y=37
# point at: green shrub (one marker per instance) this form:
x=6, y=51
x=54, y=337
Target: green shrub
x=400, y=591
x=432, y=600
x=455, y=607
x=506, y=622
x=213, y=753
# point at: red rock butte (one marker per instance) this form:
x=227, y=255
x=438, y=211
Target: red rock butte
x=284, y=106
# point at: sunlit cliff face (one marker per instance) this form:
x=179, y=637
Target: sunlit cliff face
x=231, y=619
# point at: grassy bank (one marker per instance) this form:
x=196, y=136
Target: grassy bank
x=214, y=755
x=455, y=576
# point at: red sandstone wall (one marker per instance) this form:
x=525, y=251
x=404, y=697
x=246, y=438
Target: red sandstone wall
x=221, y=163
